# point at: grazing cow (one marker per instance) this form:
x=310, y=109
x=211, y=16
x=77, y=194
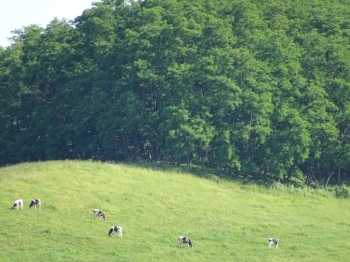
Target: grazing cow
x=18, y=204
x=35, y=203
x=185, y=240
x=273, y=241
x=114, y=230
x=100, y=214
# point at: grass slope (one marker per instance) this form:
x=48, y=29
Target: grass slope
x=226, y=221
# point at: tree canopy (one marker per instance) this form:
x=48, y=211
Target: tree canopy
x=246, y=88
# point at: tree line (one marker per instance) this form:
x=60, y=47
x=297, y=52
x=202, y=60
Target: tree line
x=257, y=89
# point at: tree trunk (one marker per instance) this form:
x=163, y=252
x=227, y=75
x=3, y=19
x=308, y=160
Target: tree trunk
x=329, y=174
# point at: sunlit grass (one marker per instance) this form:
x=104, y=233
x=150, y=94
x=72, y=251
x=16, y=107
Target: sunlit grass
x=226, y=221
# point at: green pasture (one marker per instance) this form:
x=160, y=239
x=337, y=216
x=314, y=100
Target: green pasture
x=226, y=221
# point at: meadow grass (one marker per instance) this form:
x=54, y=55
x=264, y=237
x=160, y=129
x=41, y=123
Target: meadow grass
x=226, y=221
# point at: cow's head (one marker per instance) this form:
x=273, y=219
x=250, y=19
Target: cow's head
x=189, y=243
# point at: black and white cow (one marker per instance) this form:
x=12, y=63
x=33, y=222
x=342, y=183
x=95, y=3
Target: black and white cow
x=35, y=203
x=116, y=229
x=273, y=241
x=18, y=204
x=185, y=240
x=99, y=213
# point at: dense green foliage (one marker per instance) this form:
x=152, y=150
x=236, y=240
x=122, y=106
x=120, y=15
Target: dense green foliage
x=248, y=88
x=226, y=221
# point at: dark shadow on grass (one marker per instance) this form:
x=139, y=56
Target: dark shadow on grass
x=197, y=171
x=180, y=169
x=268, y=182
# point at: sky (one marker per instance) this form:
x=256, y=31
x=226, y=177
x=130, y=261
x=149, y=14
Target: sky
x=19, y=13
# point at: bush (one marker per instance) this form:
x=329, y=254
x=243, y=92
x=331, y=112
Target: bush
x=341, y=192
x=302, y=188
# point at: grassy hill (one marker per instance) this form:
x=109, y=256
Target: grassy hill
x=226, y=221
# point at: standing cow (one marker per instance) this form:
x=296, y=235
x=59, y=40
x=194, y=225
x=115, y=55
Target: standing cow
x=273, y=241
x=35, y=203
x=99, y=213
x=116, y=229
x=18, y=204
x=185, y=240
